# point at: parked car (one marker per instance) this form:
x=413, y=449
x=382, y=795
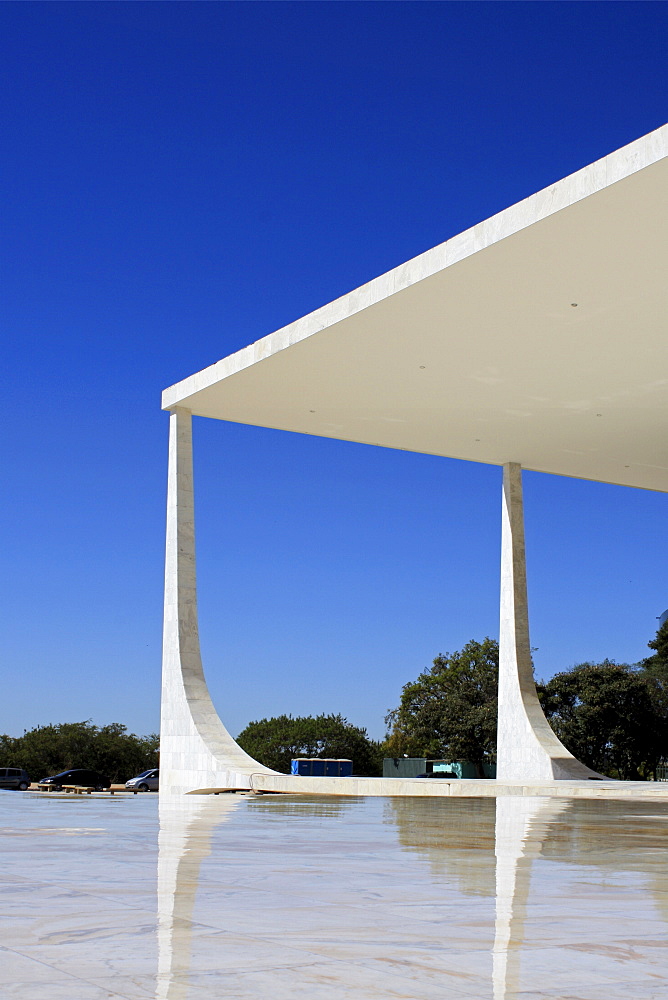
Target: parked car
x=14, y=777
x=147, y=781
x=77, y=776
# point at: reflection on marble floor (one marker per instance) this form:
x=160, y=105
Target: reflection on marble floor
x=522, y=824
x=277, y=897
x=186, y=826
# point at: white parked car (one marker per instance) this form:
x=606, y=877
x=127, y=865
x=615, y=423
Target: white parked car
x=147, y=781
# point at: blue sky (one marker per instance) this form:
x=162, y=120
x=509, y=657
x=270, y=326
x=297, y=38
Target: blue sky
x=181, y=179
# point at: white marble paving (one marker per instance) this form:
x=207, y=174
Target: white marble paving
x=247, y=898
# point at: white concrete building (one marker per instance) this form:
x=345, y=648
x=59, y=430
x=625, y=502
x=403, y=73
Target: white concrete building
x=535, y=340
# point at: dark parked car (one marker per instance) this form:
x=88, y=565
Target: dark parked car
x=14, y=777
x=78, y=776
x=147, y=781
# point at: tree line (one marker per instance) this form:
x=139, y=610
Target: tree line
x=111, y=750
x=612, y=716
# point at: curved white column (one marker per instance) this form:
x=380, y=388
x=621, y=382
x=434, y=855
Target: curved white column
x=196, y=750
x=527, y=748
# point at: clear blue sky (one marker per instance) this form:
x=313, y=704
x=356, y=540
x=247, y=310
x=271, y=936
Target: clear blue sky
x=180, y=179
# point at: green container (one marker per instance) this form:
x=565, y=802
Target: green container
x=410, y=767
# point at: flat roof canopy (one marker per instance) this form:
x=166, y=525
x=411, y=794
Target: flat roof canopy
x=539, y=336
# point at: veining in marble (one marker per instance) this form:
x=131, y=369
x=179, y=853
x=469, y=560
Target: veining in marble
x=249, y=897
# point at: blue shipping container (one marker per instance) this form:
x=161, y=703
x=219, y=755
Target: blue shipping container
x=316, y=767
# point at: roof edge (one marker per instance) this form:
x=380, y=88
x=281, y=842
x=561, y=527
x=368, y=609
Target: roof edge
x=595, y=177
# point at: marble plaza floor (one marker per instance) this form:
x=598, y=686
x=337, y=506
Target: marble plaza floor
x=277, y=897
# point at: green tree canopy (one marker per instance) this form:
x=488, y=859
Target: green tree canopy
x=274, y=742
x=450, y=710
x=657, y=665
x=611, y=716
x=109, y=749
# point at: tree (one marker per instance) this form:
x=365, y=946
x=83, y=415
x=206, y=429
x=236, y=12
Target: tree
x=657, y=665
x=609, y=715
x=109, y=749
x=450, y=710
x=274, y=742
